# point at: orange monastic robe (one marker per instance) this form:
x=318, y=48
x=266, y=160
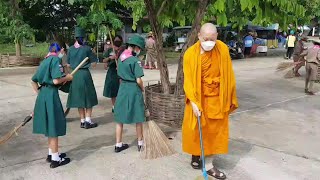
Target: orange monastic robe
x=209, y=82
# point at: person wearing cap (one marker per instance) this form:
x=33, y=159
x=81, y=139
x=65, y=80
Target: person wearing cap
x=112, y=83
x=48, y=117
x=129, y=107
x=82, y=93
x=299, y=48
x=312, y=55
x=291, y=40
x=151, y=52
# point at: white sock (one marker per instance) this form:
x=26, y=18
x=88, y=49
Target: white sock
x=88, y=119
x=82, y=120
x=119, y=144
x=55, y=157
x=50, y=152
x=140, y=143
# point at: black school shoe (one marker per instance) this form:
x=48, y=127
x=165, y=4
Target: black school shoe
x=140, y=148
x=88, y=125
x=49, y=157
x=62, y=162
x=81, y=125
x=119, y=149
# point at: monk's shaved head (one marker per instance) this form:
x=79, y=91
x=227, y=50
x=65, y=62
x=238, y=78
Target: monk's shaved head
x=208, y=32
x=208, y=28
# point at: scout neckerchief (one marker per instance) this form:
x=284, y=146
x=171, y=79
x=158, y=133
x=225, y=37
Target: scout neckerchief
x=125, y=55
x=51, y=54
x=77, y=45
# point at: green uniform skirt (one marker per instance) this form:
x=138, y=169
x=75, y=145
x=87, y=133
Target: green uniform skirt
x=111, y=84
x=82, y=93
x=129, y=106
x=48, y=113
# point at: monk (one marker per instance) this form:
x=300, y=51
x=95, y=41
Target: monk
x=210, y=89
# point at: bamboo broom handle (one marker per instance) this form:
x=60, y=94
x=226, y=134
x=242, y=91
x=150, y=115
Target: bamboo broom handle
x=79, y=66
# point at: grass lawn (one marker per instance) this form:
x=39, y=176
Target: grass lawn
x=38, y=50
x=41, y=50
x=172, y=57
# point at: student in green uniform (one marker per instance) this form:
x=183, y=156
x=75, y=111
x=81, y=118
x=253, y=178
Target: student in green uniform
x=129, y=106
x=48, y=112
x=112, y=83
x=82, y=93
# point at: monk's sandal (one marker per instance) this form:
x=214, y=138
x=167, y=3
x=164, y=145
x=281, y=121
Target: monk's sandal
x=196, y=162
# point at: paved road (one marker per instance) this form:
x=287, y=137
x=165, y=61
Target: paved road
x=274, y=134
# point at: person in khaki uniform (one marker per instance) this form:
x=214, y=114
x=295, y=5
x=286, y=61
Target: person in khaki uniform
x=312, y=55
x=48, y=118
x=298, y=50
x=151, y=52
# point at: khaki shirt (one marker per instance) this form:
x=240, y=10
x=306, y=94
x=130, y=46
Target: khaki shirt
x=312, y=54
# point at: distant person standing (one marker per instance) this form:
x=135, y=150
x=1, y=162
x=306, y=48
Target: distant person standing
x=151, y=52
x=291, y=39
x=107, y=45
x=248, y=43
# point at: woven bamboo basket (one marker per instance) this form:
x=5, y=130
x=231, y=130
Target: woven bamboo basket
x=165, y=108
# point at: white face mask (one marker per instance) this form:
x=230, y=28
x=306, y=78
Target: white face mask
x=208, y=45
x=60, y=55
x=137, y=53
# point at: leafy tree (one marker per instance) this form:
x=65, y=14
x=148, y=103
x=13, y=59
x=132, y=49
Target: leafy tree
x=12, y=23
x=238, y=12
x=53, y=18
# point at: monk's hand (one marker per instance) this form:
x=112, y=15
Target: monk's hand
x=195, y=109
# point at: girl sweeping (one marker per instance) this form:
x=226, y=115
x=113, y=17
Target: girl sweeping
x=48, y=116
x=112, y=82
x=129, y=106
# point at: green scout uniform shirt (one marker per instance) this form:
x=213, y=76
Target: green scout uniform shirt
x=49, y=70
x=130, y=69
x=77, y=55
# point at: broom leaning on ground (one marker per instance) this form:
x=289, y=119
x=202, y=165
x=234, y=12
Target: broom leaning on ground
x=9, y=135
x=156, y=143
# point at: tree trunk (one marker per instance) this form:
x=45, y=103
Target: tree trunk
x=192, y=37
x=161, y=60
x=18, y=49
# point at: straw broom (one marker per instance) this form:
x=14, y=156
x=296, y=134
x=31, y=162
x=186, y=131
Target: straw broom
x=9, y=135
x=156, y=143
x=284, y=66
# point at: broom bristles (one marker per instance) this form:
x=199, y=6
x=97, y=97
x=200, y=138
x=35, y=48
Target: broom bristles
x=284, y=65
x=289, y=74
x=7, y=136
x=156, y=143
